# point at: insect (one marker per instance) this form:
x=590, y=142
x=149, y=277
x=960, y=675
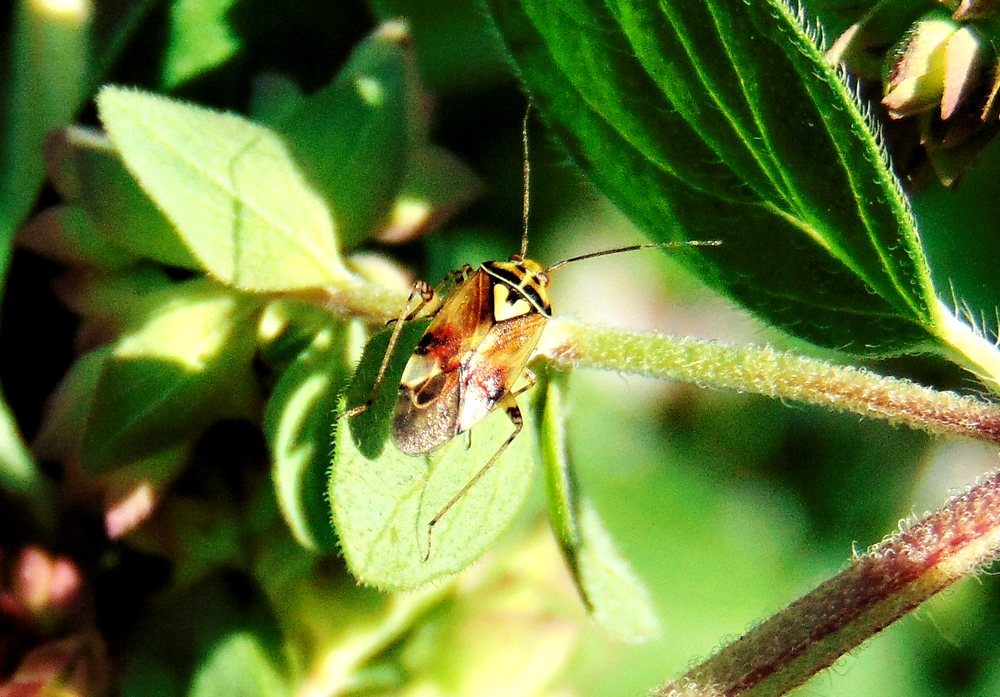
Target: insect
x=473, y=356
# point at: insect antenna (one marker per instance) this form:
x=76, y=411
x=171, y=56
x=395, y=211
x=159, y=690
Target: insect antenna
x=527, y=182
x=633, y=247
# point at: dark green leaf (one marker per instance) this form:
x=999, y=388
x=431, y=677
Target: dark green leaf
x=208, y=641
x=719, y=120
x=87, y=171
x=370, y=428
x=350, y=138
x=66, y=234
x=454, y=43
x=60, y=436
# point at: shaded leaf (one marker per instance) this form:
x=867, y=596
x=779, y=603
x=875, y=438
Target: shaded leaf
x=86, y=170
x=297, y=428
x=436, y=185
x=205, y=641
x=370, y=428
x=179, y=367
x=67, y=235
x=64, y=422
x=614, y=595
x=350, y=138
x=134, y=492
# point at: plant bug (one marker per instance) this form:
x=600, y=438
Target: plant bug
x=484, y=326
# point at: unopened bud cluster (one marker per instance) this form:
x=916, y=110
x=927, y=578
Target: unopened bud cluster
x=939, y=76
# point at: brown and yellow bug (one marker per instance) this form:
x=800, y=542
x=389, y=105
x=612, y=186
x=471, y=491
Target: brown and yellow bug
x=485, y=325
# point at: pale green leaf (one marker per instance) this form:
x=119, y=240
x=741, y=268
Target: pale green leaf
x=382, y=506
x=230, y=187
x=614, y=595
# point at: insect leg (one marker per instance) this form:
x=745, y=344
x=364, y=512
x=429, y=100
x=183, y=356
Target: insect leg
x=514, y=414
x=427, y=294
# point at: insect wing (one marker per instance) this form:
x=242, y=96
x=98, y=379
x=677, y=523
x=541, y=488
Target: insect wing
x=420, y=426
x=426, y=414
x=498, y=362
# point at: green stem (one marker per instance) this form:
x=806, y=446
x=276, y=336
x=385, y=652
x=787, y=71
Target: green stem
x=892, y=579
x=765, y=371
x=969, y=347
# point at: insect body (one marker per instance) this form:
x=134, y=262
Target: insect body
x=475, y=351
x=471, y=356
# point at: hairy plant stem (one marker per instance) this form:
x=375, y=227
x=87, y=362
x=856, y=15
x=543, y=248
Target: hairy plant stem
x=765, y=371
x=891, y=579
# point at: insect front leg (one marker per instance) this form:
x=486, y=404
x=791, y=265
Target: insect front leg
x=513, y=412
x=427, y=295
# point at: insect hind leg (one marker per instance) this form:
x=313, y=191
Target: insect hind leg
x=513, y=412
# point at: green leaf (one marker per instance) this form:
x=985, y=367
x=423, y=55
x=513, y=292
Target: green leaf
x=297, y=428
x=231, y=189
x=615, y=596
x=180, y=366
x=351, y=136
x=436, y=185
x=64, y=422
x=67, y=235
x=201, y=38
x=720, y=120
x=208, y=641
x=382, y=506
x=51, y=66
x=455, y=46
x=88, y=171
x=43, y=84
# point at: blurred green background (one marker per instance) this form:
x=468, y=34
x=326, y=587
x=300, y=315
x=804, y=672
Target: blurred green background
x=729, y=506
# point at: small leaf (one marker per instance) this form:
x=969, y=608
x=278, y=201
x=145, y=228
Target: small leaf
x=201, y=38
x=179, y=367
x=351, y=136
x=230, y=187
x=86, y=170
x=64, y=422
x=615, y=596
x=436, y=185
x=455, y=46
x=134, y=492
x=205, y=641
x=52, y=57
x=67, y=235
x=382, y=506
x=720, y=120
x=297, y=428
